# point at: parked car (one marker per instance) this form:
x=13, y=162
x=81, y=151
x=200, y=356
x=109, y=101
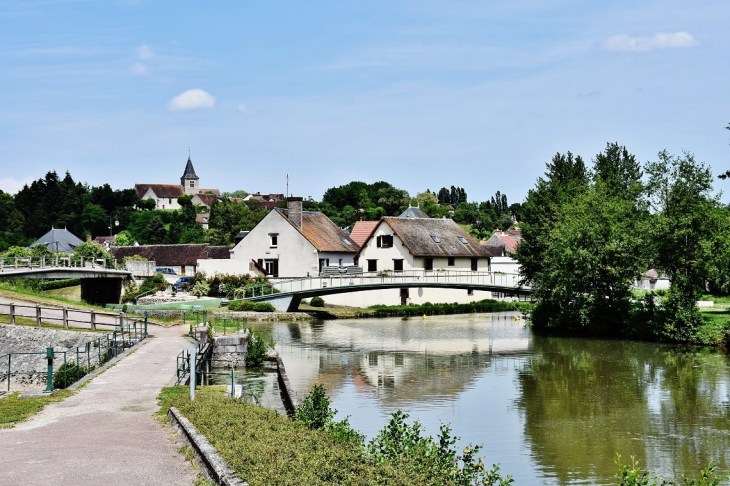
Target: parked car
x=182, y=283
x=165, y=271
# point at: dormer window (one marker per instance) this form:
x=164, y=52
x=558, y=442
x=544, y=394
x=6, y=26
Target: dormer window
x=435, y=239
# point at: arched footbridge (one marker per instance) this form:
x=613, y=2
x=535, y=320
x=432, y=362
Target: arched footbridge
x=286, y=295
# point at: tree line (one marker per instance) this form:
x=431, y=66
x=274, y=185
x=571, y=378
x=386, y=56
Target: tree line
x=588, y=234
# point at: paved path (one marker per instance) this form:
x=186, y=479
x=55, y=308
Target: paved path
x=105, y=434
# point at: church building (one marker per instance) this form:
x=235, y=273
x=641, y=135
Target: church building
x=165, y=195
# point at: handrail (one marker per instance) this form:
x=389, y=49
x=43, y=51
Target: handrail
x=56, y=261
x=396, y=277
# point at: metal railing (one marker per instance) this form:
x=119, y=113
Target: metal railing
x=78, y=360
x=56, y=261
x=203, y=366
x=199, y=319
x=506, y=280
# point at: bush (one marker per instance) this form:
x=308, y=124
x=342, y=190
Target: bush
x=200, y=289
x=58, y=284
x=486, y=305
x=316, y=414
x=317, y=302
x=247, y=305
x=68, y=373
x=255, y=351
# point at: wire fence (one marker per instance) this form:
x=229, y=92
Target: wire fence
x=61, y=368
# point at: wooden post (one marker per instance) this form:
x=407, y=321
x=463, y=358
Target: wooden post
x=38, y=315
x=93, y=321
x=65, y=317
x=12, y=313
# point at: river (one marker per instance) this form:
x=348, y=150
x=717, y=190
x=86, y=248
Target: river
x=549, y=410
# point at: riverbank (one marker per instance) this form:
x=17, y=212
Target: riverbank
x=267, y=448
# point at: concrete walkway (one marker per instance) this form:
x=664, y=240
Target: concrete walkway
x=105, y=434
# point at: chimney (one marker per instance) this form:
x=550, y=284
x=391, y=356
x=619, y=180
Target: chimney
x=294, y=210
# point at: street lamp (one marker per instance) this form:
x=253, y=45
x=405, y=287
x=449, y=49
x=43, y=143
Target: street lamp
x=115, y=215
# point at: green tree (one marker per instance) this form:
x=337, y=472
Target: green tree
x=90, y=249
x=124, y=238
x=227, y=218
x=686, y=236
x=393, y=201
x=95, y=220
x=565, y=179
x=156, y=232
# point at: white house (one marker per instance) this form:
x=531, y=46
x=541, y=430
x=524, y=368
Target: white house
x=420, y=244
x=505, y=246
x=288, y=243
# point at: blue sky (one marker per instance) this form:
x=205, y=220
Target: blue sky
x=422, y=94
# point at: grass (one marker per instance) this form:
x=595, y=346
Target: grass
x=24, y=321
x=263, y=447
x=69, y=293
x=716, y=325
x=14, y=409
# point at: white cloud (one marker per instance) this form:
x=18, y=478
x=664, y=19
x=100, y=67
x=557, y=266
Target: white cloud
x=145, y=52
x=11, y=186
x=242, y=108
x=660, y=40
x=139, y=68
x=191, y=100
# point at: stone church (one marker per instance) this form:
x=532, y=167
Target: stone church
x=165, y=195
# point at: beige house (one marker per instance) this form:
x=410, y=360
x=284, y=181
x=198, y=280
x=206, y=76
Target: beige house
x=165, y=195
x=289, y=243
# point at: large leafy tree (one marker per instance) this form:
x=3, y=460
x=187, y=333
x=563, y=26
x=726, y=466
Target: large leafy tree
x=687, y=237
x=227, y=218
x=565, y=179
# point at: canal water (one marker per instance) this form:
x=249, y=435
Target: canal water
x=552, y=411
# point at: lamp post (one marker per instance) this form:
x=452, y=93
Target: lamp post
x=115, y=215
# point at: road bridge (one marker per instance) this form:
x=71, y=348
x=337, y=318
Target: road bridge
x=286, y=295
x=101, y=282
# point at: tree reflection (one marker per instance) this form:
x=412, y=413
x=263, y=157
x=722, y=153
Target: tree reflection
x=584, y=400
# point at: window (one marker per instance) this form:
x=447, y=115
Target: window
x=372, y=265
x=272, y=267
x=340, y=263
x=169, y=200
x=435, y=239
x=398, y=265
x=192, y=183
x=428, y=264
x=463, y=240
x=273, y=240
x=385, y=241
x=451, y=261
x=474, y=264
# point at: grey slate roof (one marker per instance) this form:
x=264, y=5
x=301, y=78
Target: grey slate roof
x=412, y=212
x=189, y=171
x=416, y=234
x=58, y=241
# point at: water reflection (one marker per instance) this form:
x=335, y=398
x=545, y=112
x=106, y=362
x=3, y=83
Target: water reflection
x=550, y=410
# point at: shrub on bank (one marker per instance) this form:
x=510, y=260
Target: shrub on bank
x=317, y=302
x=247, y=305
x=429, y=309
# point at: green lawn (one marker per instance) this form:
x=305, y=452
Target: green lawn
x=14, y=410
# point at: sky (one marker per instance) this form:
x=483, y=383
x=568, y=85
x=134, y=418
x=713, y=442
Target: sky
x=422, y=94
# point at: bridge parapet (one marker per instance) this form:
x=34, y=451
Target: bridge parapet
x=15, y=264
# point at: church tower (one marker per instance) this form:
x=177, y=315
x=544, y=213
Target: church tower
x=189, y=180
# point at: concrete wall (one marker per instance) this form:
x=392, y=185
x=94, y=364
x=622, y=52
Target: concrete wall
x=231, y=267
x=505, y=264
x=416, y=296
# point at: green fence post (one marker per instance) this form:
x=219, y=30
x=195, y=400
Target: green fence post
x=49, y=375
x=10, y=356
x=145, y=323
x=233, y=381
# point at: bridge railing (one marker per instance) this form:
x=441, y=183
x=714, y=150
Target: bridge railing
x=385, y=277
x=8, y=264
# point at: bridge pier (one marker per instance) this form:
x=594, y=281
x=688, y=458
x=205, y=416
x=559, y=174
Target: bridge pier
x=101, y=290
x=288, y=303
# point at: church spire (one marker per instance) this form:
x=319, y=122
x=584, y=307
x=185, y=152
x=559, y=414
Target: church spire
x=189, y=179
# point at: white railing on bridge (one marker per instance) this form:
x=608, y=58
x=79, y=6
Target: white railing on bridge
x=410, y=277
x=12, y=264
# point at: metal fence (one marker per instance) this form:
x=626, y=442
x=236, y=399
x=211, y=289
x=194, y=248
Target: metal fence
x=205, y=366
x=62, y=368
x=506, y=280
x=70, y=261
x=199, y=320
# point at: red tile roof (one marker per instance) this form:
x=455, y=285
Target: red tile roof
x=362, y=231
